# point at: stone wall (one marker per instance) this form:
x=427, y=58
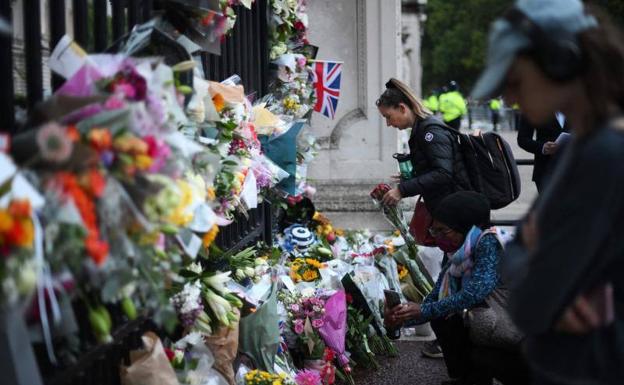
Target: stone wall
x=357, y=146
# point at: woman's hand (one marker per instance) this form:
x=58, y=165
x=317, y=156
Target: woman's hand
x=407, y=311
x=588, y=312
x=392, y=197
x=396, y=177
x=390, y=318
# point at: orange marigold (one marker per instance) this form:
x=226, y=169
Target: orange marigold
x=210, y=236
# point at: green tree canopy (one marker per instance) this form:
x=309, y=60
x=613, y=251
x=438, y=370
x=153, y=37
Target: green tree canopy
x=454, y=44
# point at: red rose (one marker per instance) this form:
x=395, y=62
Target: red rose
x=299, y=26
x=170, y=354
x=379, y=191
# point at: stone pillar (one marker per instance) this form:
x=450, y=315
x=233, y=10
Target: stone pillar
x=412, y=30
x=357, y=146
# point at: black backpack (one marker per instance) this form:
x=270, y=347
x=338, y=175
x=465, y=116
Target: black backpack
x=490, y=165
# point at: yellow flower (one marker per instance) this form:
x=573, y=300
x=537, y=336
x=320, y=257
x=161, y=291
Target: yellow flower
x=402, y=271
x=339, y=232
x=310, y=275
x=143, y=162
x=6, y=221
x=313, y=263
x=210, y=236
x=211, y=194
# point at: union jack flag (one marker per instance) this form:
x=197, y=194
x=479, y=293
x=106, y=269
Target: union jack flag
x=326, y=79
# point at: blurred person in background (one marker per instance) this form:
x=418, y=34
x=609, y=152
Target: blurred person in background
x=432, y=102
x=544, y=141
x=495, y=107
x=452, y=105
x=568, y=259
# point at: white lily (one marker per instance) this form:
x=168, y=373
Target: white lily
x=219, y=305
x=250, y=271
x=218, y=281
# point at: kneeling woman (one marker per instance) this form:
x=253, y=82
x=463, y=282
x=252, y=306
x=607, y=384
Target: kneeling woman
x=461, y=226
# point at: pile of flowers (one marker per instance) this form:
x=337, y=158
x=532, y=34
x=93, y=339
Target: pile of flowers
x=305, y=269
x=17, y=265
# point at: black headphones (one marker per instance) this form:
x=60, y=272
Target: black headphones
x=559, y=57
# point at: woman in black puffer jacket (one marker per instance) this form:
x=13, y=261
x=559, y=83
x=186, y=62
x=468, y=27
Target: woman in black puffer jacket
x=438, y=167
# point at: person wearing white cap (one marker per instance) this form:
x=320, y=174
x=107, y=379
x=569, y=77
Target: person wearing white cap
x=568, y=296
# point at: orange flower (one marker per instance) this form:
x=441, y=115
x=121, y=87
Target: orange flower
x=219, y=102
x=72, y=133
x=97, y=249
x=21, y=233
x=97, y=183
x=6, y=221
x=210, y=236
x=20, y=208
x=100, y=139
x=93, y=182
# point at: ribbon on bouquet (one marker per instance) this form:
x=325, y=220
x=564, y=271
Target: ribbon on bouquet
x=45, y=286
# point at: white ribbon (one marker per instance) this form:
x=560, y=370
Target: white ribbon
x=45, y=285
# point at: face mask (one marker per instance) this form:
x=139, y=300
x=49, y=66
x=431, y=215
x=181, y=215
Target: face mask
x=447, y=245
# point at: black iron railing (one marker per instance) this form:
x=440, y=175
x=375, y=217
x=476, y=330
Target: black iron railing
x=244, y=52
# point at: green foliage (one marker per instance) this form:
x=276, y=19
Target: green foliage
x=454, y=45
x=455, y=40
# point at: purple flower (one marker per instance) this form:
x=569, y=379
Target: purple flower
x=298, y=326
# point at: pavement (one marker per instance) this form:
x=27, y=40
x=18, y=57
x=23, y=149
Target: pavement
x=409, y=368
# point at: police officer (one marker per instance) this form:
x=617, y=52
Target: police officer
x=452, y=106
x=495, y=106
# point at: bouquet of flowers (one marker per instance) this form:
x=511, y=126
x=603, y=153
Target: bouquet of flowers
x=394, y=215
x=18, y=269
x=260, y=377
x=305, y=269
x=204, y=303
x=246, y=265
x=305, y=317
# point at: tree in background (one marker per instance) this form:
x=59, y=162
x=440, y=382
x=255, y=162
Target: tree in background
x=455, y=40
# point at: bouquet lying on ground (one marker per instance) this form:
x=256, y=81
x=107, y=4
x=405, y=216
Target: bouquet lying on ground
x=394, y=215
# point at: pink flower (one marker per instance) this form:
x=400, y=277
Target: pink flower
x=294, y=307
x=54, y=143
x=114, y=103
x=301, y=61
x=159, y=151
x=309, y=191
x=126, y=89
x=308, y=377
x=298, y=327
x=317, y=323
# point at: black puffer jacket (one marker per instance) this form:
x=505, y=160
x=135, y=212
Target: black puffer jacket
x=437, y=162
